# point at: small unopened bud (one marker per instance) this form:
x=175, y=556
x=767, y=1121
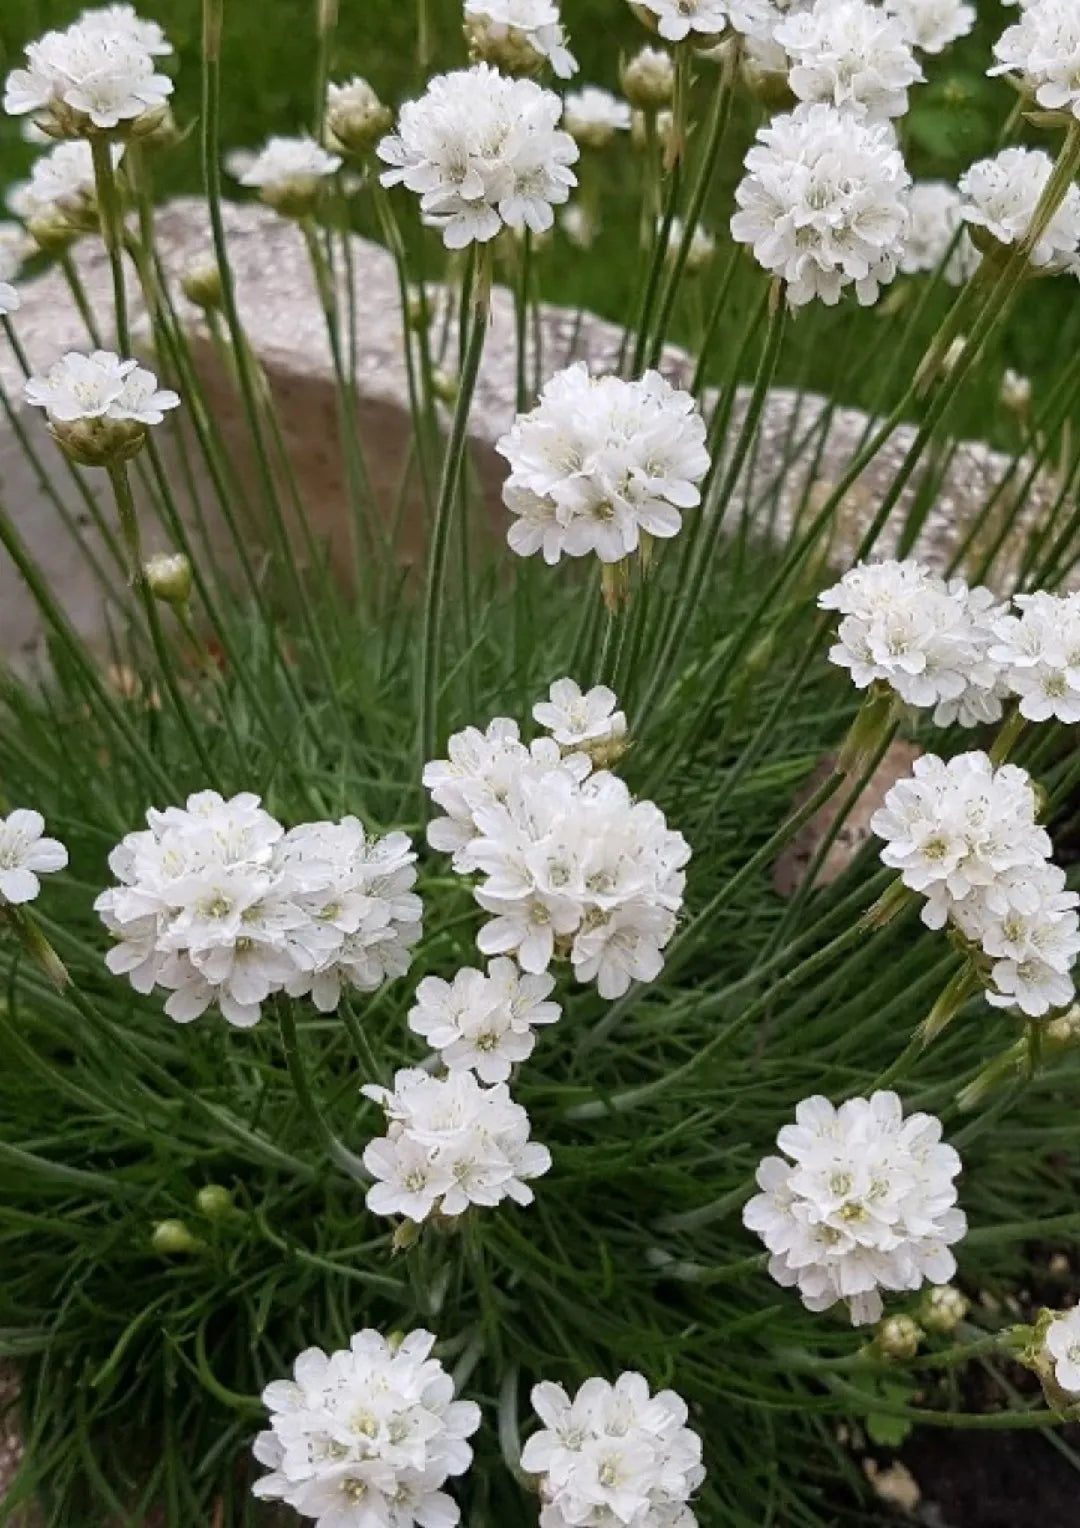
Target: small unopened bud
x=171, y=1237
x=53, y=231
x=355, y=117
x=168, y=576
x=201, y=282
x=98, y=442
x=406, y=1235
x=898, y=1338
x=444, y=384
x=159, y=130
x=1015, y=393
x=894, y=900
x=1064, y=1030
x=648, y=79
x=951, y=359
x=507, y=47
x=943, y=1308
x=215, y=1201
x=35, y=944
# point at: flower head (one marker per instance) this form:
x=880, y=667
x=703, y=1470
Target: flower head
x=1042, y=53
x=520, y=36
x=290, y=174
x=648, y=79
x=1039, y=653
x=483, y=1022
x=586, y=722
x=59, y=201
x=931, y=26
x=450, y=1143
x=593, y=116
x=862, y=1201
x=598, y=462
x=613, y=1454
x=824, y=203
x=124, y=21
x=367, y=1435
x=482, y=152
x=99, y=406
x=25, y=855
x=1063, y=1347
x=97, y=76
x=1000, y=198
x=851, y=54
x=355, y=117
x=936, y=233
x=675, y=20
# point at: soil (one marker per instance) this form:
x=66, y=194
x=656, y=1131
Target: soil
x=994, y=1480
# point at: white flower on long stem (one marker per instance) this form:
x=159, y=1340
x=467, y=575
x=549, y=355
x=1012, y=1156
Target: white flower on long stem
x=851, y=54
x=89, y=77
x=367, y=1437
x=1000, y=199
x=483, y=1022
x=824, y=204
x=450, y=1143
x=1063, y=1346
x=593, y=116
x=613, y=1454
x=1042, y=53
x=290, y=173
x=862, y=1201
x=482, y=152
x=1039, y=653
x=598, y=462
x=931, y=26
x=937, y=231
x=99, y=386
x=61, y=183
x=25, y=855
x=519, y=35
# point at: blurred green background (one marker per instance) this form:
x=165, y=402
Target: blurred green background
x=269, y=66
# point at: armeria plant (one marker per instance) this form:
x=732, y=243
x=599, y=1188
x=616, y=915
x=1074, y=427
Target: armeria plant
x=418, y=1104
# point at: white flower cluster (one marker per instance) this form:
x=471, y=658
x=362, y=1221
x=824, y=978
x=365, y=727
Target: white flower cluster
x=289, y=173
x=218, y=904
x=519, y=35
x=1042, y=52
x=593, y=116
x=99, y=386
x=61, y=183
x=450, y=1143
x=598, y=461
x=866, y=1203
x=571, y=864
x=937, y=231
x=1000, y=197
x=1063, y=1347
x=483, y=1023
x=931, y=26
x=850, y=54
x=367, y=1437
x=677, y=19
x=614, y=1454
x=824, y=203
x=482, y=152
x=1039, y=654
x=964, y=835
x=25, y=855
x=98, y=74
x=588, y=722
x=930, y=641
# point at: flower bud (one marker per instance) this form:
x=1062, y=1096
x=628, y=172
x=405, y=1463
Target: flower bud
x=201, y=282
x=215, y=1201
x=418, y=311
x=943, y=1308
x=98, y=442
x=898, y=1338
x=172, y=1236
x=764, y=69
x=53, y=231
x=444, y=384
x=168, y=576
x=1015, y=393
x=578, y=225
x=648, y=79
x=158, y=130
x=355, y=117
x=507, y=47
x=406, y=1235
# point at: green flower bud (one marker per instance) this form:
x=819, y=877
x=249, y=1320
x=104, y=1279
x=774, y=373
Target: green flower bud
x=898, y=1338
x=171, y=1237
x=215, y=1201
x=168, y=576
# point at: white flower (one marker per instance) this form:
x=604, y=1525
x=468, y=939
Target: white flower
x=936, y=221
x=866, y=1203
x=1039, y=652
x=598, y=462
x=89, y=75
x=450, y=1143
x=852, y=54
x=61, y=182
x=581, y=721
x=929, y=640
x=1001, y=195
x=482, y=152
x=217, y=904
x=366, y=1437
x=10, y=301
x=290, y=173
x=676, y=19
x=483, y=1023
x=1063, y=1346
x=593, y=116
x=1042, y=52
x=123, y=21
x=824, y=203
x=519, y=35
x=99, y=386
x=931, y=25
x=25, y=855
x=614, y=1454
x=571, y=864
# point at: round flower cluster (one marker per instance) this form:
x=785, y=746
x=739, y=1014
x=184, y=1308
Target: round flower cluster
x=1000, y=198
x=930, y=641
x=593, y=116
x=369, y=1434
x=25, y=855
x=519, y=36
x=964, y=835
x=99, y=406
x=483, y=1023
x=59, y=200
x=1063, y=1347
x=290, y=174
x=450, y=1143
x=849, y=54
x=931, y=26
x=866, y=1203
x=824, y=203
x=482, y=152
x=615, y=1454
x=598, y=462
x=937, y=233
x=1039, y=653
x=1042, y=52
x=97, y=76
x=218, y=904
x=571, y=864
